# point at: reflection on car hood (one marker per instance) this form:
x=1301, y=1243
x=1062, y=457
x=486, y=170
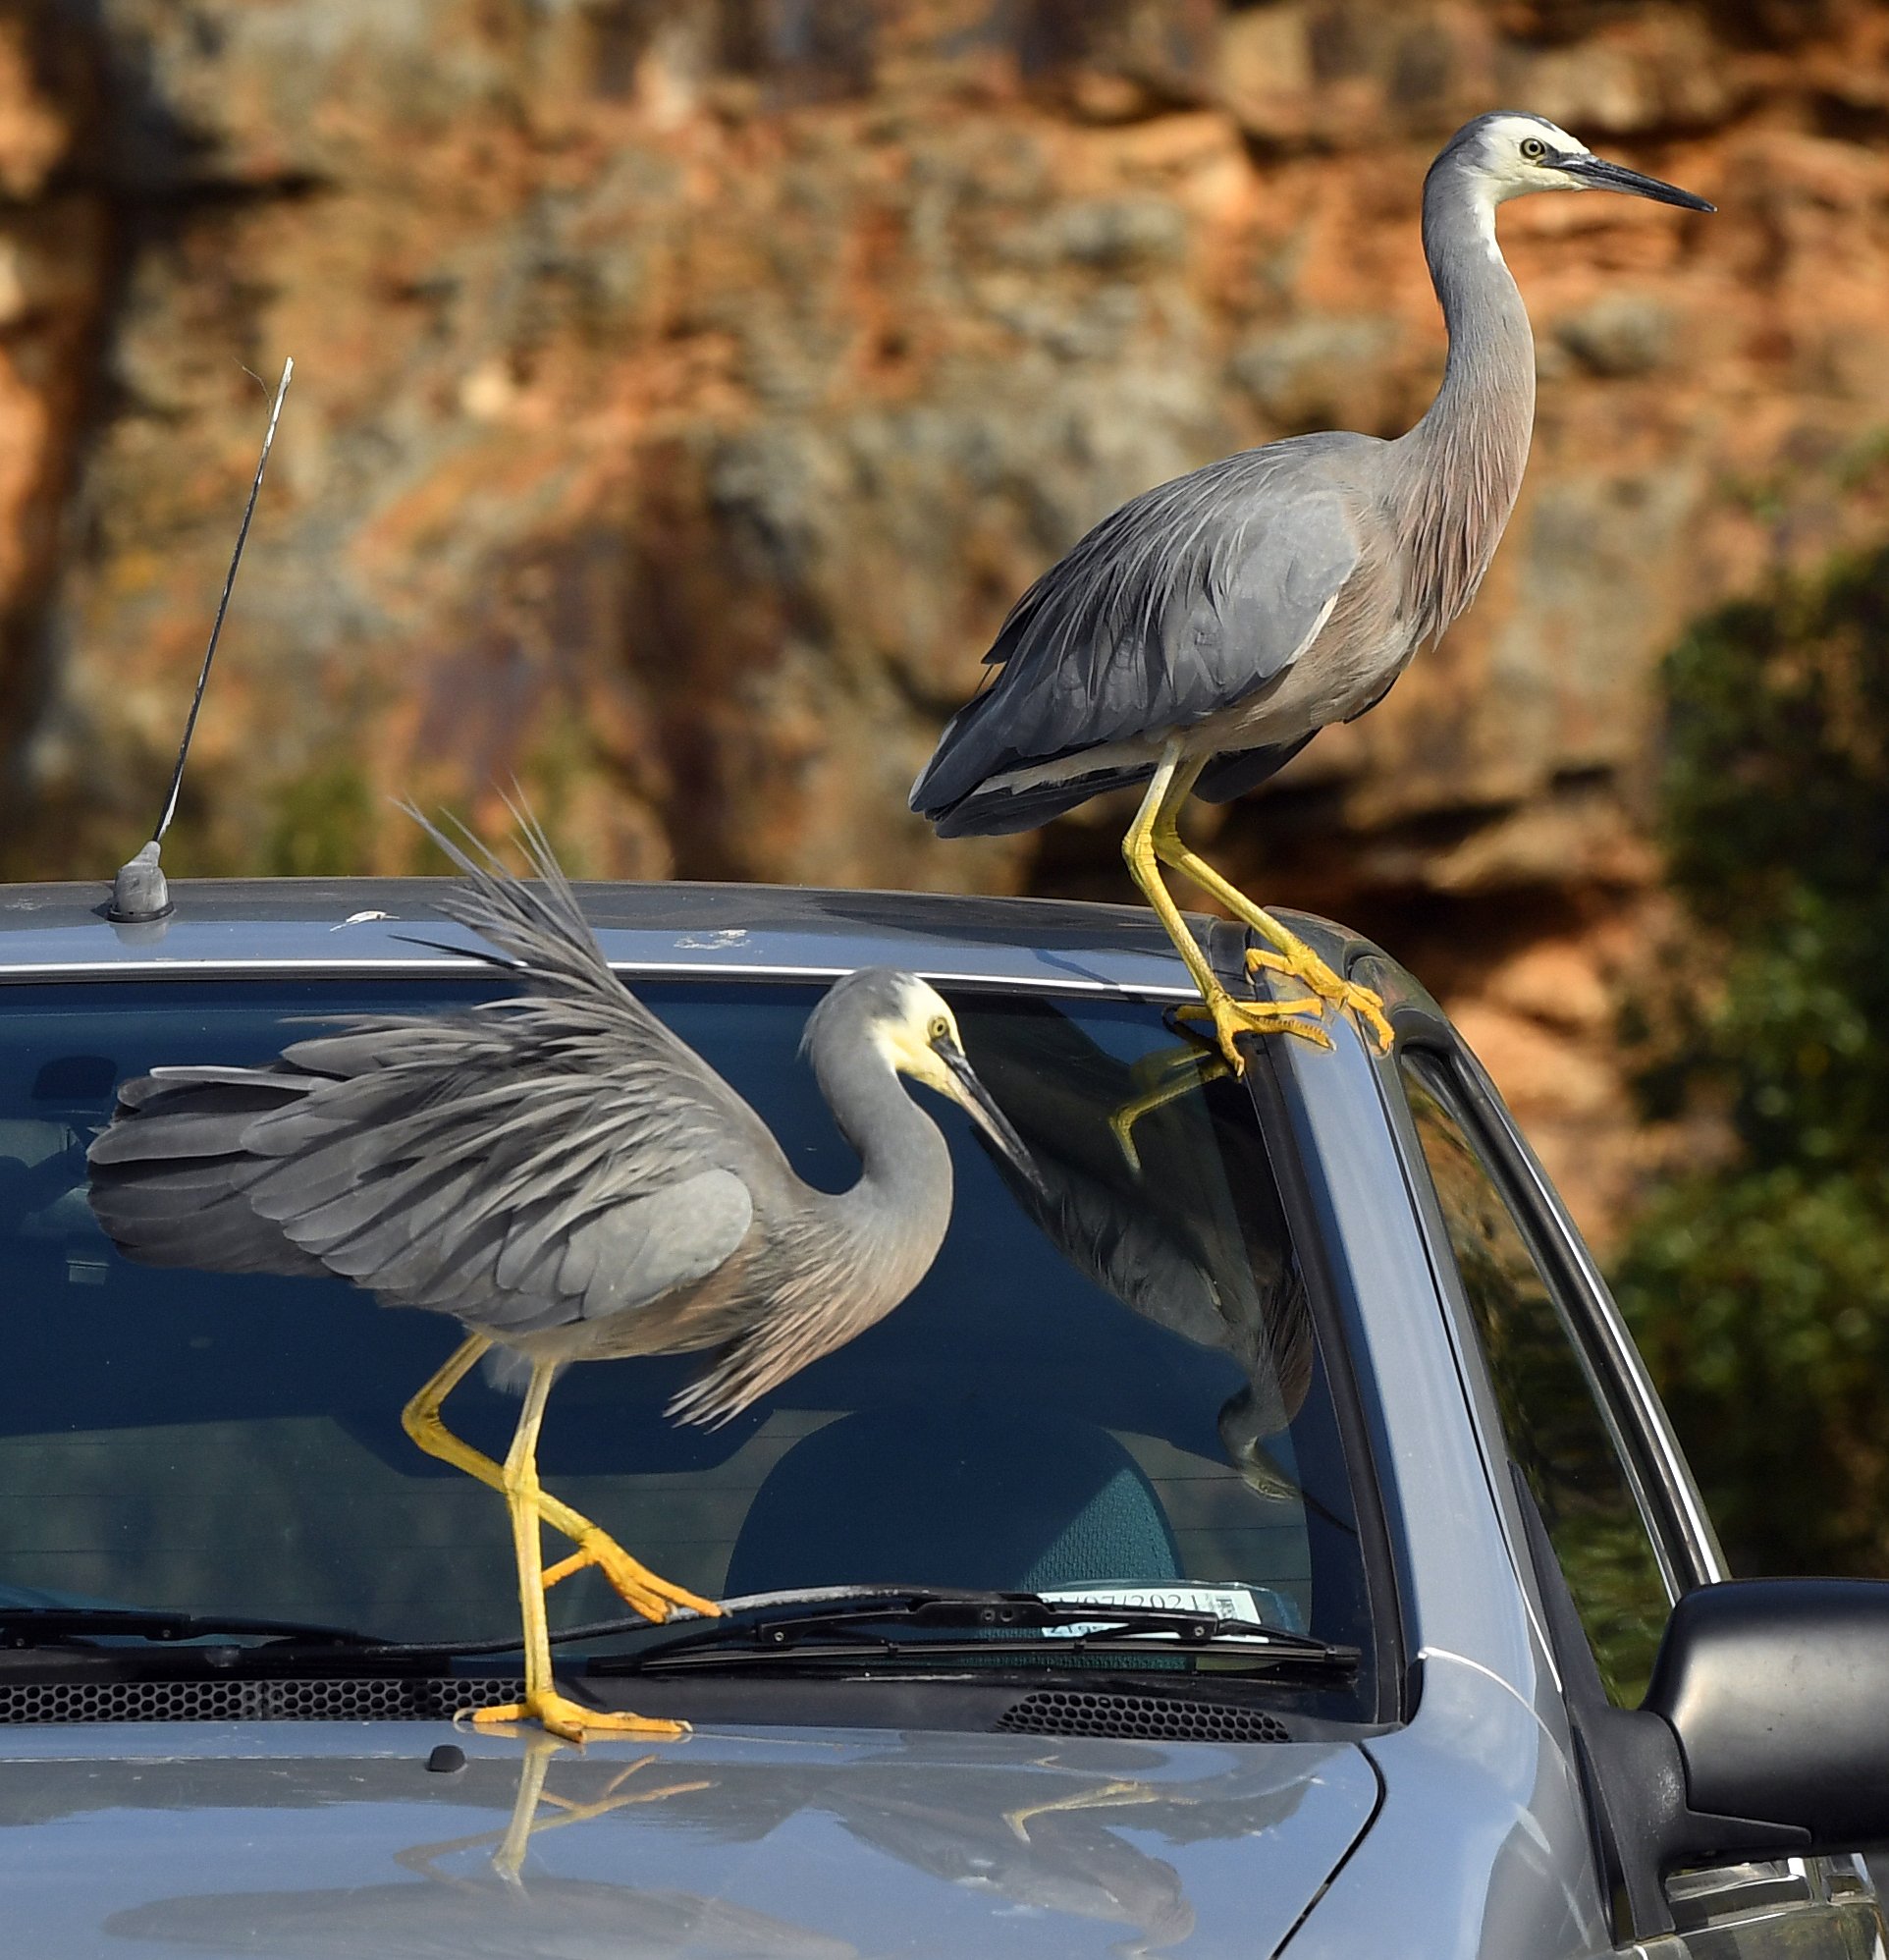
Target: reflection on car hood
x=334, y=1840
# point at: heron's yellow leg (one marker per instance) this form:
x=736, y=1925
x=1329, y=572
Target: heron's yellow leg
x=508, y=1859
x=1173, y=779
x=525, y=1824
x=553, y=1712
x=1163, y=1078
x=635, y=1584
x=1290, y=953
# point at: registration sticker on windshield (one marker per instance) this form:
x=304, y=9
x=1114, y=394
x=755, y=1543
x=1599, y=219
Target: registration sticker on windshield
x=1257, y=1605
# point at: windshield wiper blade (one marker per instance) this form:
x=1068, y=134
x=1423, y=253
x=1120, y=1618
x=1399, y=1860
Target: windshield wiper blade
x=1037, y=1650
x=868, y=1623
x=995, y=1613
x=42, y=1626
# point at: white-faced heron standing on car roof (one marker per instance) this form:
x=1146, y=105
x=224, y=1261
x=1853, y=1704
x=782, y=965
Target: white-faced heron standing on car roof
x=1199, y=636
x=566, y=1178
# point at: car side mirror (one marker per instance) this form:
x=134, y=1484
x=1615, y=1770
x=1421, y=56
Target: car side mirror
x=1763, y=1733
x=1777, y=1692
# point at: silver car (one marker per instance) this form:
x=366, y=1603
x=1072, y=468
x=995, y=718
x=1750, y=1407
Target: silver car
x=1264, y=1542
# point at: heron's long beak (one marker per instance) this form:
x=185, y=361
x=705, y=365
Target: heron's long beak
x=976, y=1099
x=1601, y=174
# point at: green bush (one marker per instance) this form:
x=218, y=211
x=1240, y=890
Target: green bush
x=322, y=825
x=1760, y=1288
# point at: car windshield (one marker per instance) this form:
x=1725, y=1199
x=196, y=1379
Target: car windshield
x=1111, y=1391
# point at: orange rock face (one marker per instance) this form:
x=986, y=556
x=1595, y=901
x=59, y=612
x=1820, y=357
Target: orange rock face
x=684, y=391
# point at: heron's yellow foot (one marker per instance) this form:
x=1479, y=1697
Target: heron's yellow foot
x=527, y=1822
x=639, y=1588
x=1162, y=1078
x=616, y=1797
x=1263, y=1476
x=1106, y=1796
x=558, y=1715
x=1305, y=967
x=1232, y=1018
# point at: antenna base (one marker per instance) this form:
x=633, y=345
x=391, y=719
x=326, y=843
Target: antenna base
x=140, y=893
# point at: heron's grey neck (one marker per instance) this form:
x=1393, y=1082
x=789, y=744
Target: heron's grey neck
x=889, y=1227
x=1459, y=468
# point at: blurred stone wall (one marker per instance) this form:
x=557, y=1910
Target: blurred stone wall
x=684, y=389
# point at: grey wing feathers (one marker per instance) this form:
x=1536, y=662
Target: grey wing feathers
x=1180, y=604
x=544, y=1157
x=162, y=1188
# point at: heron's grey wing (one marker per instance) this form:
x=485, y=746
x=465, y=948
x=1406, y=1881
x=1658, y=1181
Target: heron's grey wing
x=1136, y=1236
x=407, y=1193
x=516, y=1203
x=1218, y=1271
x=1234, y=774
x=1130, y=1252
x=165, y=1176
x=544, y=1157
x=1179, y=605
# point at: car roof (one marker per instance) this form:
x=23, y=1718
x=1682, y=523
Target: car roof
x=389, y=925
x=384, y=924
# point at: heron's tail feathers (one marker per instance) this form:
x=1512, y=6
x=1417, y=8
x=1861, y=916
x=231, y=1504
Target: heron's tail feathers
x=970, y=749
x=1005, y=803
x=1001, y=812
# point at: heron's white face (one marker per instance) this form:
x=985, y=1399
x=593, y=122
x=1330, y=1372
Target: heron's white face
x=920, y=1039
x=1519, y=154
x=911, y=1039
x=1514, y=154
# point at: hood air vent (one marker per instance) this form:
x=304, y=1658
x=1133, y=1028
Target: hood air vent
x=400, y=1698
x=411, y=1698
x=1138, y=1717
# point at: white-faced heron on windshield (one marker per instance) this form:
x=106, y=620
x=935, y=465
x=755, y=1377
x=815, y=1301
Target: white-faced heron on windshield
x=1199, y=636
x=559, y=1172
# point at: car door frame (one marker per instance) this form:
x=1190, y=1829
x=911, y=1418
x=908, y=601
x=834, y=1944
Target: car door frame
x=1748, y=1909
x=1509, y=1852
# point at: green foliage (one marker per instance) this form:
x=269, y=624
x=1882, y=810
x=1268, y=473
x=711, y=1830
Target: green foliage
x=1759, y=1290
x=1555, y=1431
x=323, y=825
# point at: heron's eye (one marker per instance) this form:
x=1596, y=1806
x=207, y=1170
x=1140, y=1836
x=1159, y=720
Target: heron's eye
x=1534, y=148
x=938, y=1029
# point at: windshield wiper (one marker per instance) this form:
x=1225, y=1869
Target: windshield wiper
x=918, y=1623
x=830, y=1624
x=43, y=1626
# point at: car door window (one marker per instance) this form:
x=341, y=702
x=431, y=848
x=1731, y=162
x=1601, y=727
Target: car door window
x=1554, y=1415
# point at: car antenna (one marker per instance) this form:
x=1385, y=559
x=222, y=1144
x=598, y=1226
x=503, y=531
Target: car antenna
x=139, y=892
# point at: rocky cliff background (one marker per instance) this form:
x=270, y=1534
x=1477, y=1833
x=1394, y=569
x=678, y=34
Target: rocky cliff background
x=684, y=389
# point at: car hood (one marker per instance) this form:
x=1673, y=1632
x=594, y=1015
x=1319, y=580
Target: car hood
x=768, y=1844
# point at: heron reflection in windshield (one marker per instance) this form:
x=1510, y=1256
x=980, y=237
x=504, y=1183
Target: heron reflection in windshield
x=1160, y=1232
